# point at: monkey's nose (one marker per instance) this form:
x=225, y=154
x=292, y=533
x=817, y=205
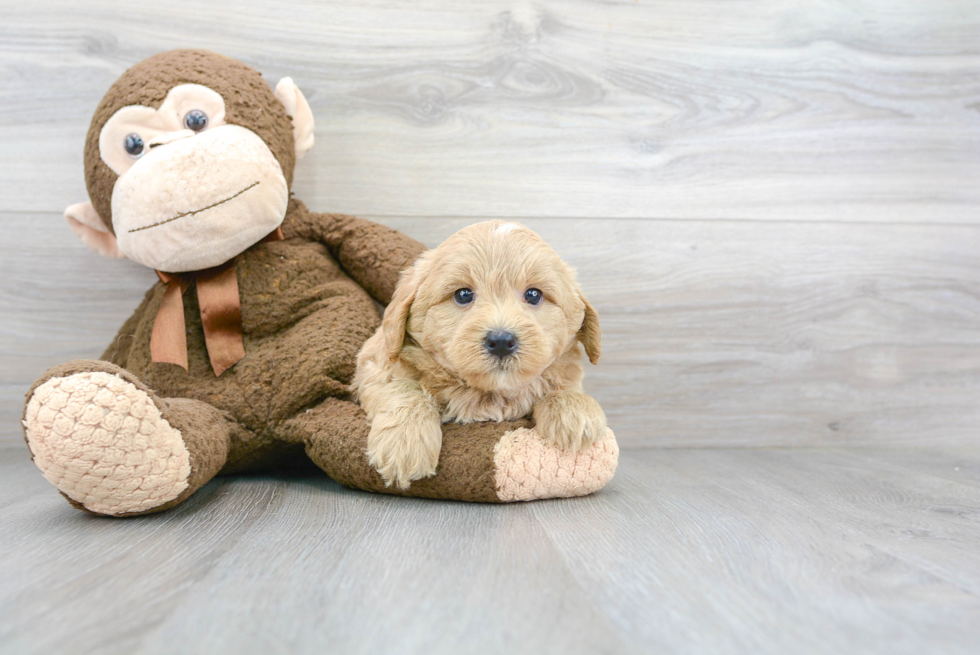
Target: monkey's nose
x=169, y=137
x=500, y=344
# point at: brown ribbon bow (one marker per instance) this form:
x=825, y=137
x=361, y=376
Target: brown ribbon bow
x=221, y=315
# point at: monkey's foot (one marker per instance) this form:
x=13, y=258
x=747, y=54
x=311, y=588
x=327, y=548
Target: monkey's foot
x=526, y=468
x=104, y=443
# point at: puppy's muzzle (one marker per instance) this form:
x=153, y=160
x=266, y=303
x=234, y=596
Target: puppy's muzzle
x=500, y=344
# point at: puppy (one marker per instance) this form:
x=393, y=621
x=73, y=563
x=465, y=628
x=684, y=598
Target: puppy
x=488, y=326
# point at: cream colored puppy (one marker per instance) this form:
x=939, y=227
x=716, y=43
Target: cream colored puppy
x=488, y=326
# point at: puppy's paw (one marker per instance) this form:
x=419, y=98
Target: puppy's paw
x=405, y=450
x=569, y=420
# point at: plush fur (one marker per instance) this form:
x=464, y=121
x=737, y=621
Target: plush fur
x=428, y=362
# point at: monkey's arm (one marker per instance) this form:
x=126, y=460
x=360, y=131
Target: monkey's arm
x=373, y=255
x=480, y=462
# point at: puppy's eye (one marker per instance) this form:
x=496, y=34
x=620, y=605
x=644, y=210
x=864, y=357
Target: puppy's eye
x=195, y=120
x=533, y=296
x=133, y=143
x=463, y=296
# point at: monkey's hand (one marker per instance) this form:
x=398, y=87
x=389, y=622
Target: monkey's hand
x=570, y=420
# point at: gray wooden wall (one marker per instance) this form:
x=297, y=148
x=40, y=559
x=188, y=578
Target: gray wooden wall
x=775, y=206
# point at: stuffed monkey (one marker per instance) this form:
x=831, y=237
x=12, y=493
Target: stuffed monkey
x=243, y=352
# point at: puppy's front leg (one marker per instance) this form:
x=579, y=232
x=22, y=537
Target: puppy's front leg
x=570, y=420
x=406, y=434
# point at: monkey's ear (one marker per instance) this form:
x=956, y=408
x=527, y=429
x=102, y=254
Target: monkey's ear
x=299, y=110
x=84, y=221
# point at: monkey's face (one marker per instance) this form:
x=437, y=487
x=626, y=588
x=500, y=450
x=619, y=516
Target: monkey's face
x=188, y=161
x=192, y=191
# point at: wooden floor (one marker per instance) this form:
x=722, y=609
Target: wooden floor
x=687, y=551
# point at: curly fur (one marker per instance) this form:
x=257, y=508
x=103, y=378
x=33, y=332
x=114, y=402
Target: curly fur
x=427, y=362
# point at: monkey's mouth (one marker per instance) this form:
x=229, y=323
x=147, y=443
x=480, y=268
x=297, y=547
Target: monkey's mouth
x=196, y=211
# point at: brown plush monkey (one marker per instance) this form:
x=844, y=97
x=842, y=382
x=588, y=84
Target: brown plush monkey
x=244, y=351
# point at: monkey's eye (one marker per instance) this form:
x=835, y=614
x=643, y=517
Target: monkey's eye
x=195, y=120
x=533, y=296
x=133, y=145
x=463, y=296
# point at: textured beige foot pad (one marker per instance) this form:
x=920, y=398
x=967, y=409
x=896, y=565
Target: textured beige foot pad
x=527, y=469
x=104, y=444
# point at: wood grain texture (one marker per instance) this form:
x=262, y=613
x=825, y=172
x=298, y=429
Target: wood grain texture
x=773, y=206
x=818, y=110
x=723, y=551
x=714, y=333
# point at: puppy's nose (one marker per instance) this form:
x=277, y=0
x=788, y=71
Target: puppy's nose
x=500, y=344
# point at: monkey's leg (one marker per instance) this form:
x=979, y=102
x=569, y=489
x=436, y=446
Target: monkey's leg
x=481, y=462
x=112, y=447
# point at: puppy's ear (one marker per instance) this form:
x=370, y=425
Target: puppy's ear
x=396, y=313
x=589, y=334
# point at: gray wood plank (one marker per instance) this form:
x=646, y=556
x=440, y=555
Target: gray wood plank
x=957, y=464
x=755, y=333
x=800, y=111
x=715, y=333
x=77, y=583
x=727, y=551
x=324, y=569
x=717, y=550
x=898, y=509
x=484, y=579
